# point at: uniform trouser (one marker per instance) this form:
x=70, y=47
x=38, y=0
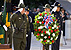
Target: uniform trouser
x=28, y=44
x=19, y=43
x=10, y=39
x=56, y=44
x=46, y=47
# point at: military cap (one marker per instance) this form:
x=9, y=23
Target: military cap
x=21, y=4
x=46, y=6
x=27, y=9
x=57, y=4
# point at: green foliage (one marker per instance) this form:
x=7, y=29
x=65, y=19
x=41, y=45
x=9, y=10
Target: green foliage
x=46, y=35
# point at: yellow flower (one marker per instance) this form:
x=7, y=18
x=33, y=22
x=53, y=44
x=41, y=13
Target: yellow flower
x=1, y=36
x=0, y=43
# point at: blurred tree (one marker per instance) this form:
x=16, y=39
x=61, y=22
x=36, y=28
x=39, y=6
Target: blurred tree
x=1, y=3
x=30, y=3
x=34, y=3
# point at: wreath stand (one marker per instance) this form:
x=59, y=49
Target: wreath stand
x=46, y=47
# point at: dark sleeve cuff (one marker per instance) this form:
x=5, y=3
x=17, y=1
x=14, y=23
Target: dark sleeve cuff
x=2, y=24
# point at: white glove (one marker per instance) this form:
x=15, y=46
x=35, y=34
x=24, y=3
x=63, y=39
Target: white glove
x=20, y=9
x=61, y=31
x=54, y=9
x=5, y=27
x=26, y=35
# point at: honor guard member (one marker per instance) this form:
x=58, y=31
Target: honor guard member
x=21, y=27
x=3, y=28
x=2, y=32
x=47, y=10
x=57, y=14
x=28, y=38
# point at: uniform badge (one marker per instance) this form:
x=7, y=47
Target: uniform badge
x=58, y=4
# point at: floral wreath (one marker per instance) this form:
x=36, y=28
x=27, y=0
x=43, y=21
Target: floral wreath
x=46, y=28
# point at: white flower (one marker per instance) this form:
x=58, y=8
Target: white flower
x=41, y=39
x=55, y=21
x=40, y=22
x=52, y=15
x=48, y=32
x=45, y=37
x=41, y=34
x=55, y=25
x=48, y=40
x=52, y=27
x=51, y=38
x=53, y=35
x=56, y=37
x=41, y=27
x=40, y=17
x=45, y=27
x=51, y=22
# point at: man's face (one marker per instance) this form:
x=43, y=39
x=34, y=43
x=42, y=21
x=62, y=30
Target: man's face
x=23, y=11
x=38, y=10
x=47, y=9
x=27, y=12
x=62, y=11
x=58, y=9
x=34, y=10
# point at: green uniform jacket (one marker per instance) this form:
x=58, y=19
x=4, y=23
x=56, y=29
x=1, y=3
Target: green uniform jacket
x=2, y=32
x=21, y=25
